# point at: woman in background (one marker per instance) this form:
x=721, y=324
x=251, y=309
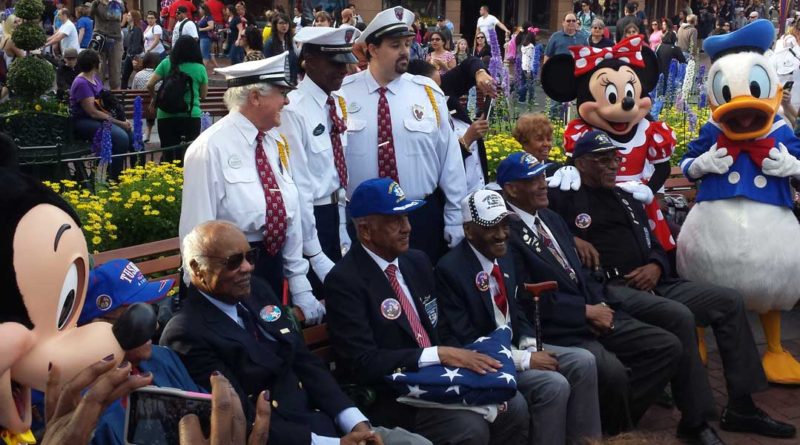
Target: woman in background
x=461, y=51
x=655, y=35
x=439, y=57
x=205, y=26
x=281, y=39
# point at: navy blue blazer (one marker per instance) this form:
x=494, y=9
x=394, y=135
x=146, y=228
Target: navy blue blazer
x=467, y=312
x=563, y=312
x=206, y=339
x=367, y=344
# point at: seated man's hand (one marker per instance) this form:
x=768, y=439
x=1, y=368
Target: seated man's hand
x=645, y=277
x=228, y=424
x=362, y=434
x=589, y=256
x=464, y=358
x=601, y=317
x=72, y=410
x=544, y=360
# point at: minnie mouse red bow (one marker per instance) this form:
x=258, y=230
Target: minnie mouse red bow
x=628, y=51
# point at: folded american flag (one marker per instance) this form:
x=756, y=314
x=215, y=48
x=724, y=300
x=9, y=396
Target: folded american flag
x=444, y=384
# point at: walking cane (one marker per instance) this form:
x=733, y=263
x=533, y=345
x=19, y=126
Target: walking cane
x=537, y=289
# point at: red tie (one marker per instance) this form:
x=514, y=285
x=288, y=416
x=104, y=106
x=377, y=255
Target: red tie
x=275, y=229
x=416, y=326
x=337, y=128
x=500, y=299
x=757, y=149
x=387, y=164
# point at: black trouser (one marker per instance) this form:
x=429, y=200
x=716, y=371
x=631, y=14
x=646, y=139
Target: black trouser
x=326, y=218
x=172, y=129
x=270, y=268
x=427, y=227
x=127, y=70
x=679, y=307
x=634, y=363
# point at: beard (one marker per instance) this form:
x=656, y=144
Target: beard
x=401, y=65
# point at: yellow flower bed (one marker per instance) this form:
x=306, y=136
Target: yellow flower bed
x=144, y=205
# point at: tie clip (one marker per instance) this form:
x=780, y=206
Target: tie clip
x=383, y=143
x=274, y=190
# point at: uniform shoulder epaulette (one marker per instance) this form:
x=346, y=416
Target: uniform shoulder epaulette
x=425, y=81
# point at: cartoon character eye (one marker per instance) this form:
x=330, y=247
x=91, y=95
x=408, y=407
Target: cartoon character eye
x=720, y=88
x=611, y=93
x=760, y=85
x=66, y=301
x=629, y=92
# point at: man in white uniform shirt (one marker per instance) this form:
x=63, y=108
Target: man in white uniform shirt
x=398, y=127
x=239, y=170
x=314, y=125
x=184, y=26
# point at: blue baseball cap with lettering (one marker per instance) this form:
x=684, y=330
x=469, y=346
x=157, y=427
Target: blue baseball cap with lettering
x=381, y=196
x=519, y=166
x=119, y=283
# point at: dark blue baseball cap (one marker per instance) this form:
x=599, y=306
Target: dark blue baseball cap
x=594, y=141
x=381, y=196
x=518, y=166
x=119, y=283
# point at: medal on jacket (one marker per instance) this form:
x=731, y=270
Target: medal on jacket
x=270, y=313
x=583, y=221
x=390, y=309
x=482, y=281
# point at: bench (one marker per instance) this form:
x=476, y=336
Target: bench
x=677, y=183
x=213, y=103
x=162, y=260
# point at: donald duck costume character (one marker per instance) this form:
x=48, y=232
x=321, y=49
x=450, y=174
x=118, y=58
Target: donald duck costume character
x=742, y=232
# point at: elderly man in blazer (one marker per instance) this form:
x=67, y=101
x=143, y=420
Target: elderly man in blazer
x=382, y=317
x=639, y=281
x=477, y=289
x=234, y=326
x=634, y=360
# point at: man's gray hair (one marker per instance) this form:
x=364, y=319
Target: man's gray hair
x=195, y=243
x=598, y=22
x=236, y=97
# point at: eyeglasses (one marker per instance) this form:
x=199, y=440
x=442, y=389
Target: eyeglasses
x=570, y=20
x=605, y=161
x=597, y=27
x=436, y=39
x=480, y=38
x=234, y=261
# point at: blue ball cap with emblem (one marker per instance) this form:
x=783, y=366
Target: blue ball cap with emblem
x=594, y=141
x=119, y=283
x=757, y=35
x=381, y=196
x=519, y=166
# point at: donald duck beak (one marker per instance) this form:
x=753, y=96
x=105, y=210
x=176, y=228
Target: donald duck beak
x=746, y=117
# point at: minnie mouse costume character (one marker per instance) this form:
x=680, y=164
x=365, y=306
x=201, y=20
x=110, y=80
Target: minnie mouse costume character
x=611, y=86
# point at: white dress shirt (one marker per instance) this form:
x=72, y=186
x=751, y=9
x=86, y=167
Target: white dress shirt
x=312, y=161
x=430, y=355
x=427, y=153
x=346, y=420
x=522, y=354
x=220, y=181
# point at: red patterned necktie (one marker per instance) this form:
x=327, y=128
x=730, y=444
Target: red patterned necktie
x=551, y=246
x=387, y=164
x=500, y=299
x=416, y=326
x=275, y=229
x=337, y=128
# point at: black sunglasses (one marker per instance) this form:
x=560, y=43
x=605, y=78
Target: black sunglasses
x=234, y=261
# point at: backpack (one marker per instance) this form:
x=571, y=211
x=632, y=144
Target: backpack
x=171, y=96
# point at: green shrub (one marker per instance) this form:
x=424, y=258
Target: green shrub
x=29, y=36
x=30, y=77
x=29, y=9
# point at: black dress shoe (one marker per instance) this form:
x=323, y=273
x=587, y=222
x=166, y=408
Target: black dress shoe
x=704, y=436
x=758, y=423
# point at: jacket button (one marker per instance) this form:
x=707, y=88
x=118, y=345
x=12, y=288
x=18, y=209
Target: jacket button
x=300, y=385
x=275, y=404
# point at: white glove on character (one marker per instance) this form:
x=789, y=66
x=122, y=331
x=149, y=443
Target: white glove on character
x=565, y=178
x=312, y=309
x=781, y=163
x=640, y=192
x=715, y=160
x=321, y=265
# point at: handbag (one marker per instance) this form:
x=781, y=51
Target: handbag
x=110, y=104
x=98, y=42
